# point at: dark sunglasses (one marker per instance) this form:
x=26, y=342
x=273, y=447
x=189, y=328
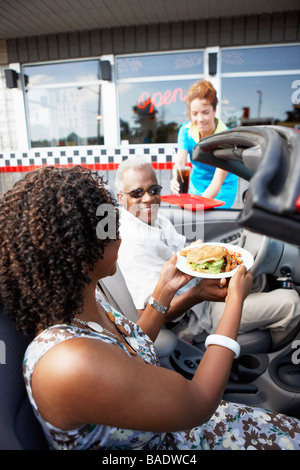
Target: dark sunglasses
x=138, y=193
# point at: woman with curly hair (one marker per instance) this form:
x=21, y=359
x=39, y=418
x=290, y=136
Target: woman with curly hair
x=92, y=376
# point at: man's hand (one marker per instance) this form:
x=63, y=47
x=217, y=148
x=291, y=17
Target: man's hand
x=214, y=290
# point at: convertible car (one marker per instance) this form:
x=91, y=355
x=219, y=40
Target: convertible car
x=268, y=159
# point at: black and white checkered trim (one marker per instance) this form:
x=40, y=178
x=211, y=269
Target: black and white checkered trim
x=92, y=156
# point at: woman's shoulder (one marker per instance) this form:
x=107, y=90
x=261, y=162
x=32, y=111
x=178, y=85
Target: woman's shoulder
x=46, y=340
x=185, y=126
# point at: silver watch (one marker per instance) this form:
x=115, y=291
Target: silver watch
x=160, y=308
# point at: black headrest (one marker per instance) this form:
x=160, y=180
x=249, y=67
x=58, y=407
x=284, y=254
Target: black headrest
x=19, y=429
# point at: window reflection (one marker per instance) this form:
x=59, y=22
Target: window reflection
x=64, y=72
x=260, y=59
x=65, y=116
x=152, y=112
x=159, y=65
x=260, y=100
x=63, y=100
x=64, y=104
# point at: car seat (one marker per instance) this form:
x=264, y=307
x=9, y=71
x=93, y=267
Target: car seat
x=19, y=428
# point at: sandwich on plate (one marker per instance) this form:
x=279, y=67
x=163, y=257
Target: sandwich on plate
x=211, y=259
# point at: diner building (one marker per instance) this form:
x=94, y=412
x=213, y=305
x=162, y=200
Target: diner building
x=95, y=82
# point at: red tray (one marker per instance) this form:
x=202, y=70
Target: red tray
x=191, y=201
x=298, y=204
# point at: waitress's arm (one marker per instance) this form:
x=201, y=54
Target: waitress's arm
x=216, y=183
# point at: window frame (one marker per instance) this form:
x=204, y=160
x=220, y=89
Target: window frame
x=157, y=78
x=109, y=94
x=258, y=73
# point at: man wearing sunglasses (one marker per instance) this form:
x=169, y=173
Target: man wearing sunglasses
x=149, y=239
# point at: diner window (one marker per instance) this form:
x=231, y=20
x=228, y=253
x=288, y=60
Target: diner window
x=151, y=94
x=63, y=103
x=259, y=86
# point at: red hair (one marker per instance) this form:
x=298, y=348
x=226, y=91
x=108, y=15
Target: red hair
x=203, y=90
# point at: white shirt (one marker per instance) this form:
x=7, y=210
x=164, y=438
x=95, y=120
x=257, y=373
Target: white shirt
x=143, y=251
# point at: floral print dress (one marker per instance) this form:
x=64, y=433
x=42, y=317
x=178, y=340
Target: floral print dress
x=231, y=427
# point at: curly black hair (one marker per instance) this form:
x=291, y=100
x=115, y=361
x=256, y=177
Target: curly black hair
x=49, y=243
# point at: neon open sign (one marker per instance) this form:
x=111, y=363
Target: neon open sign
x=159, y=99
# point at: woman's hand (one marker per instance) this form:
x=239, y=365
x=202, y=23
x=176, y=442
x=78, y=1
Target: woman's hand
x=174, y=185
x=238, y=288
x=170, y=280
x=180, y=162
x=240, y=284
x=171, y=277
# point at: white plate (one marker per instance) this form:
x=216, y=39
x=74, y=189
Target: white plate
x=245, y=255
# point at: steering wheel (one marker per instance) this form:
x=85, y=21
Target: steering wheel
x=261, y=254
